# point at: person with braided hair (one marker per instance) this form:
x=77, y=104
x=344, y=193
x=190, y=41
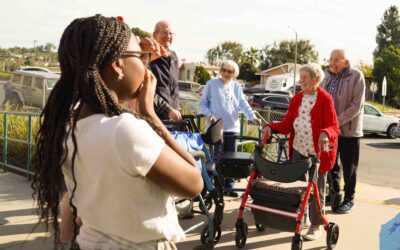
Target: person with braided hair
x=119, y=165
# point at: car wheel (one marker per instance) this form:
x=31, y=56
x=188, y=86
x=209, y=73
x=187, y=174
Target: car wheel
x=390, y=131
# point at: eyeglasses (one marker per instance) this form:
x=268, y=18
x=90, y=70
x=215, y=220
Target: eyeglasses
x=336, y=60
x=167, y=33
x=227, y=71
x=144, y=56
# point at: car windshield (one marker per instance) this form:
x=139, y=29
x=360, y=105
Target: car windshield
x=51, y=83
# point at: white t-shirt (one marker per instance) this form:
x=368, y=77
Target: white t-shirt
x=117, y=204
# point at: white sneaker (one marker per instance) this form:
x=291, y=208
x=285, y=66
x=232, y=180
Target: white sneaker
x=313, y=233
x=306, y=223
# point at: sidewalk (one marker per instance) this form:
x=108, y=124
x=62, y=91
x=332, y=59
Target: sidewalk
x=358, y=230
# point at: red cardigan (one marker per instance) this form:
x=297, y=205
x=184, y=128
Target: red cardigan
x=323, y=118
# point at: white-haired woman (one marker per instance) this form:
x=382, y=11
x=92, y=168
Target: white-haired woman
x=223, y=98
x=312, y=123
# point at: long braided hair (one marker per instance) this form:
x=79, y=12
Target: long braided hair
x=86, y=46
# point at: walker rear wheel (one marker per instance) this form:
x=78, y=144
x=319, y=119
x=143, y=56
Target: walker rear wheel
x=297, y=243
x=205, y=235
x=332, y=235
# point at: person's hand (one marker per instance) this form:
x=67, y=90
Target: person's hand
x=256, y=121
x=211, y=119
x=157, y=50
x=175, y=115
x=144, y=103
x=267, y=132
x=323, y=142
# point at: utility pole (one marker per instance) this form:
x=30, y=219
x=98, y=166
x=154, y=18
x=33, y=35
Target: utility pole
x=295, y=59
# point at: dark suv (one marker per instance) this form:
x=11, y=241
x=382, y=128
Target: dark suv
x=274, y=101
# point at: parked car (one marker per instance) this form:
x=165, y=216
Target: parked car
x=32, y=88
x=271, y=100
x=188, y=90
x=397, y=131
x=376, y=122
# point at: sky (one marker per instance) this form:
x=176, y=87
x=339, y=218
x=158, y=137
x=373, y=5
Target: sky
x=201, y=25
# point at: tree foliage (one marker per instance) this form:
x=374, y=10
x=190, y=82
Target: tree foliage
x=388, y=31
x=248, y=72
x=140, y=33
x=227, y=50
x=388, y=64
x=366, y=69
x=284, y=52
x=201, y=75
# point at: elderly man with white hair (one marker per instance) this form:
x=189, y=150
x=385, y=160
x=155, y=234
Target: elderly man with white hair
x=347, y=88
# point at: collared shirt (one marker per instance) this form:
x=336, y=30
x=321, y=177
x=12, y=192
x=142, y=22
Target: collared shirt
x=166, y=70
x=333, y=85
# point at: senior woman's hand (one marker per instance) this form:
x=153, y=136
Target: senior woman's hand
x=323, y=142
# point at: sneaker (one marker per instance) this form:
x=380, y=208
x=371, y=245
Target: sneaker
x=346, y=207
x=313, y=233
x=307, y=222
x=231, y=194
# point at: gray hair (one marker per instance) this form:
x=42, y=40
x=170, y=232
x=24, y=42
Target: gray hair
x=231, y=64
x=159, y=25
x=315, y=71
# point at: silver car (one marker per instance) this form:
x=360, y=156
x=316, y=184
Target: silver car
x=397, y=131
x=376, y=122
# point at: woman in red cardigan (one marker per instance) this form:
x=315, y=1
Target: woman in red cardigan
x=313, y=126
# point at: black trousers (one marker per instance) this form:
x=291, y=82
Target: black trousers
x=349, y=154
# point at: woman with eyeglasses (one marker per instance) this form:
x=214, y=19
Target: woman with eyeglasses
x=119, y=165
x=223, y=98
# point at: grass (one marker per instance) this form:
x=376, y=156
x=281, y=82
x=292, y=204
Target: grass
x=17, y=128
x=5, y=75
x=387, y=108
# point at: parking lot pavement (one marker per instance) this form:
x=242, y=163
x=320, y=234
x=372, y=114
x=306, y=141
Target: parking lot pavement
x=358, y=230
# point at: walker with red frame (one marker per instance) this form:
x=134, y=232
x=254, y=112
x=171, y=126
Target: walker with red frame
x=280, y=198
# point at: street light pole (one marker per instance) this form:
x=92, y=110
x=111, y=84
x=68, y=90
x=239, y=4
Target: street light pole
x=295, y=59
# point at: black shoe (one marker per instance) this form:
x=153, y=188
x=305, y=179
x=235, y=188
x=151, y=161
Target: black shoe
x=346, y=207
x=231, y=194
x=336, y=201
x=188, y=216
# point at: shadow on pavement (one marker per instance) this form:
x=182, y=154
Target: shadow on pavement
x=394, y=201
x=387, y=145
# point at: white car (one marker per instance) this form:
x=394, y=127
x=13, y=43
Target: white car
x=376, y=122
x=397, y=131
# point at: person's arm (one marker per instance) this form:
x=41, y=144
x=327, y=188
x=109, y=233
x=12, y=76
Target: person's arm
x=286, y=125
x=246, y=108
x=175, y=170
x=204, y=103
x=357, y=101
x=330, y=131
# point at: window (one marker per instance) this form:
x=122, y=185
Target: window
x=27, y=80
x=188, y=74
x=368, y=110
x=16, y=79
x=38, y=83
x=51, y=83
x=185, y=86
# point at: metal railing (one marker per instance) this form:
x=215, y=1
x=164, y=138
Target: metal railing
x=13, y=131
x=12, y=121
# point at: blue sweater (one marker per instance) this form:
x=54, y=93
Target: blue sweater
x=225, y=101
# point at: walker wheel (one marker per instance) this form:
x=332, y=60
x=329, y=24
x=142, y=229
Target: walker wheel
x=260, y=227
x=241, y=235
x=297, y=243
x=205, y=235
x=332, y=235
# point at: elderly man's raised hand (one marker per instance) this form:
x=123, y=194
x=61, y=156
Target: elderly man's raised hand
x=157, y=50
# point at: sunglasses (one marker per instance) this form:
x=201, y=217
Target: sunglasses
x=227, y=71
x=144, y=56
